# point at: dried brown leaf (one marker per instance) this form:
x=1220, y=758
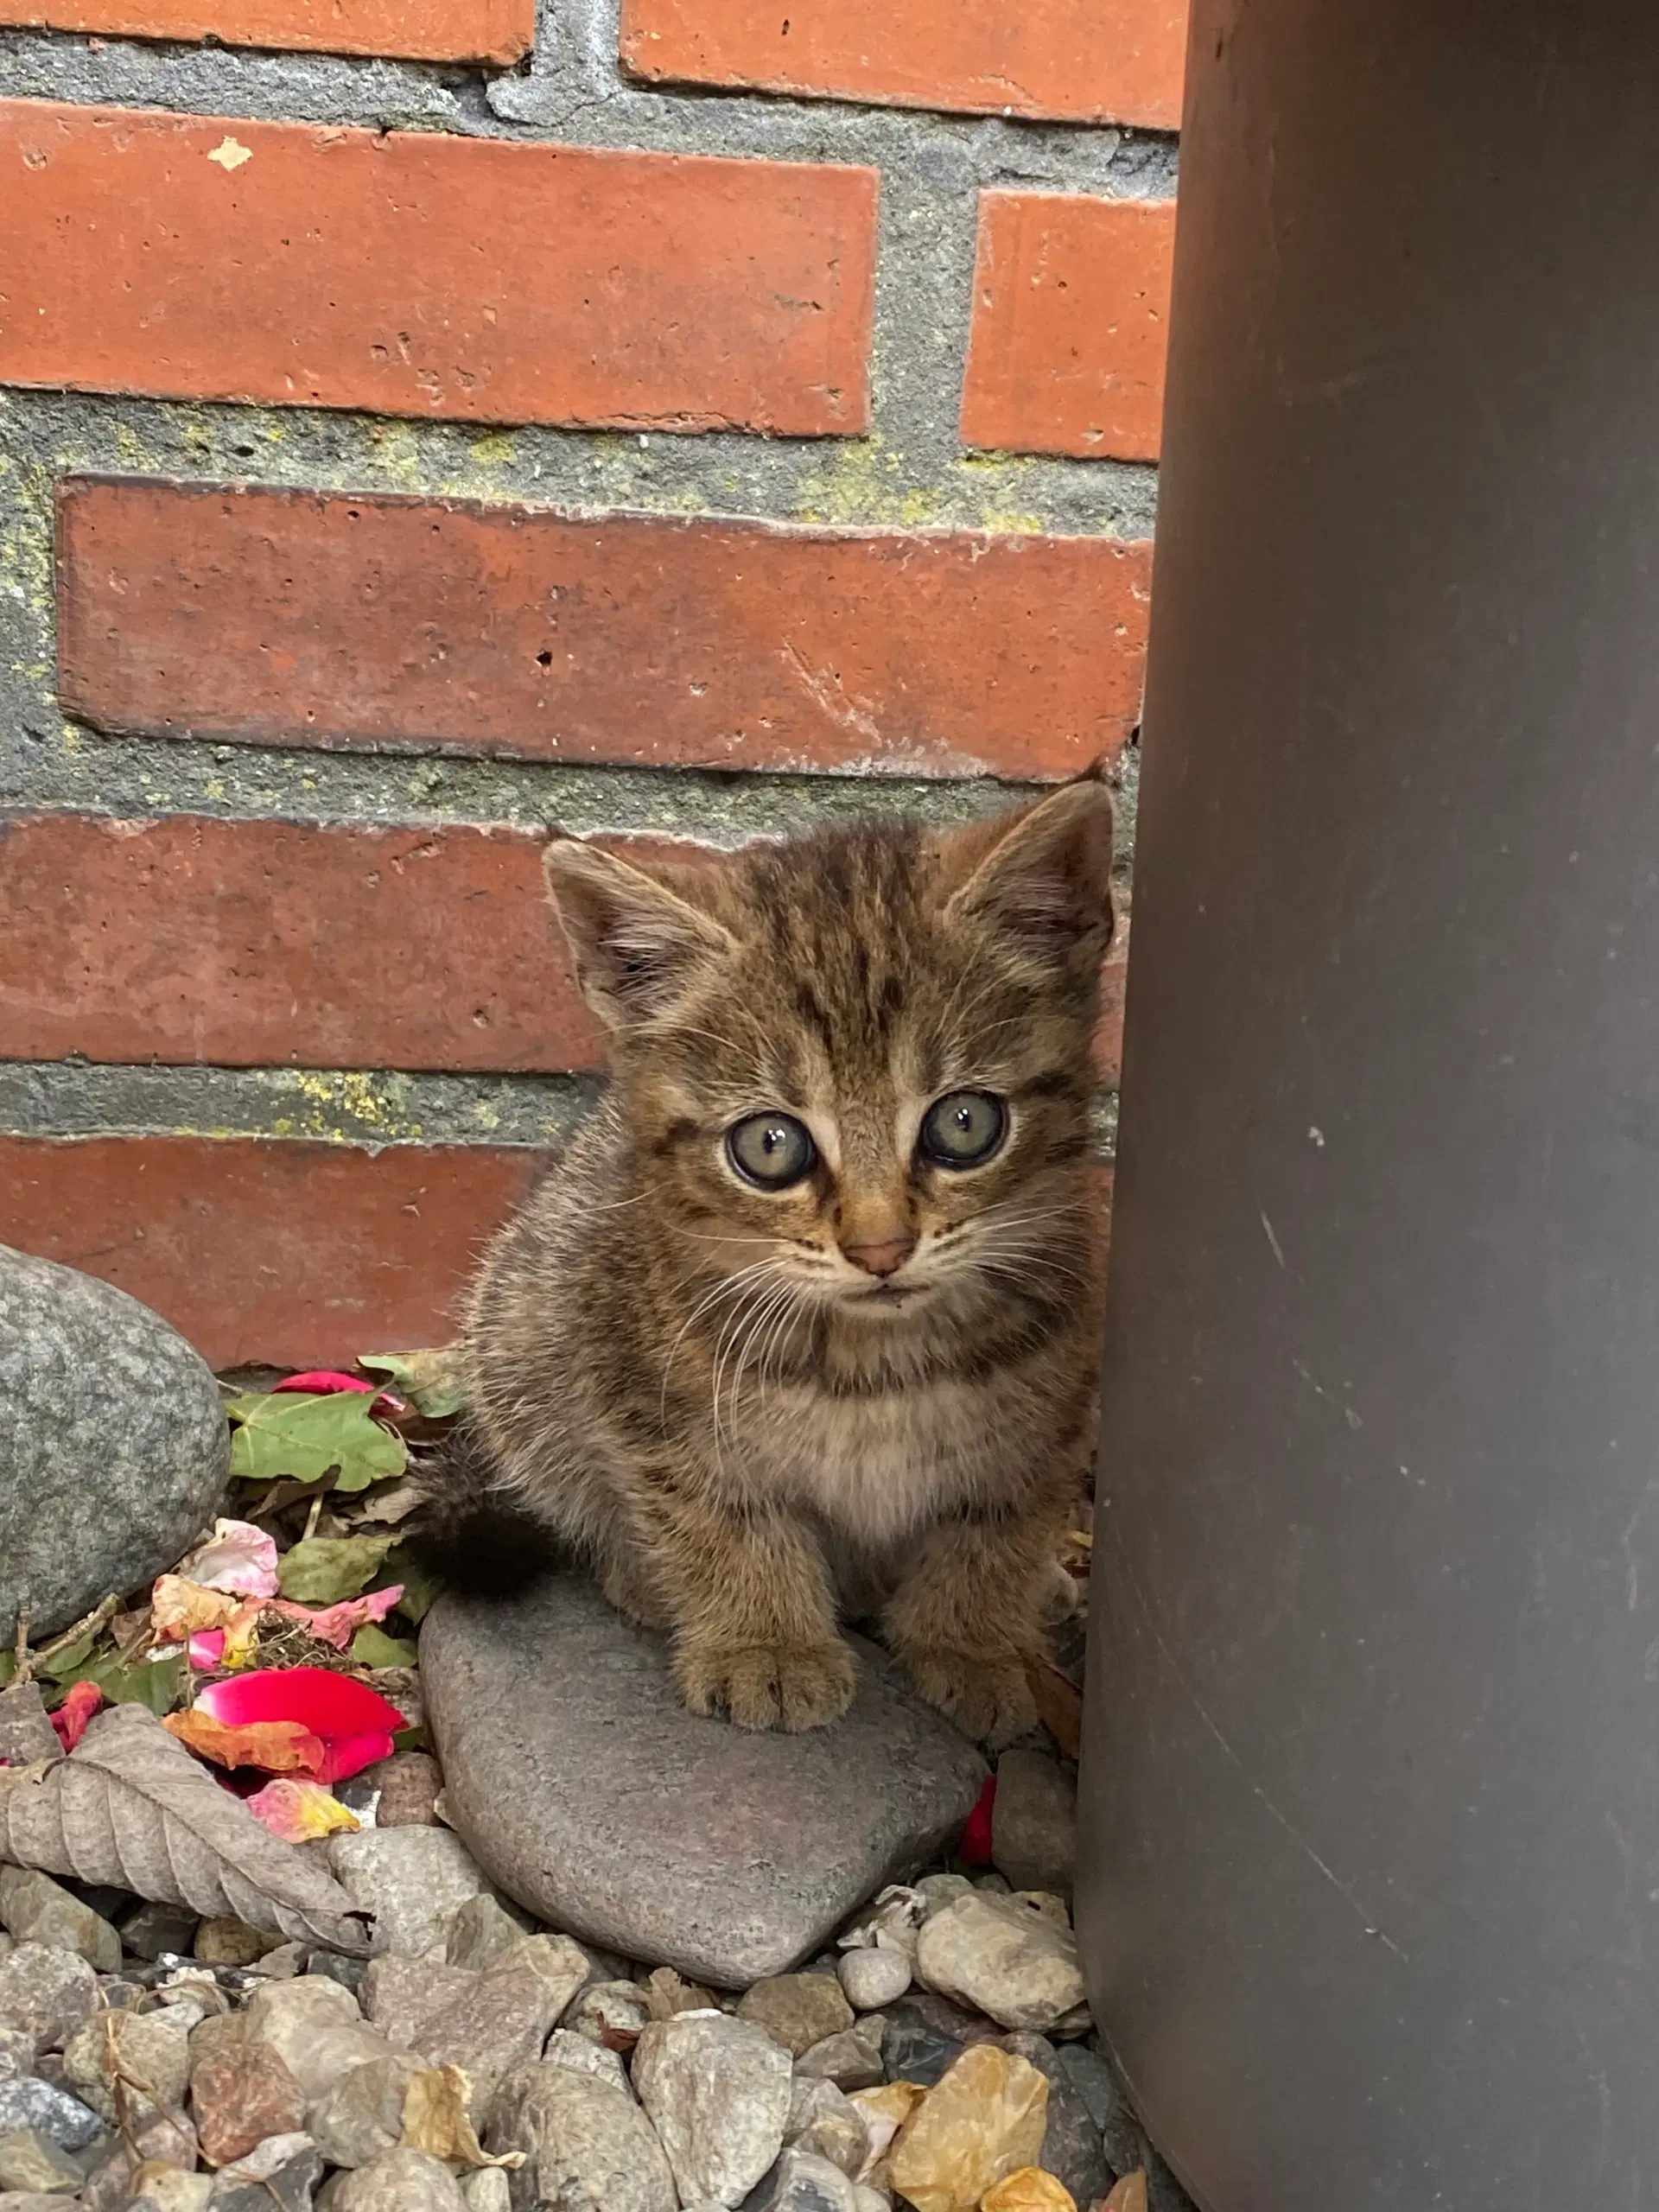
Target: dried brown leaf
x=131, y=1808
x=1129, y=2196
x=436, y=2121
x=1059, y=1708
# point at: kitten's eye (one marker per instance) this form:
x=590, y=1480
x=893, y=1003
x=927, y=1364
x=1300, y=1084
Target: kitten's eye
x=963, y=1129
x=773, y=1150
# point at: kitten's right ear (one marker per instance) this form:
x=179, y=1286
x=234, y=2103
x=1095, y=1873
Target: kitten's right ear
x=637, y=943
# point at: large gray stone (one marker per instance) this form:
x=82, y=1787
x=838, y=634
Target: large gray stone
x=587, y=1791
x=112, y=1437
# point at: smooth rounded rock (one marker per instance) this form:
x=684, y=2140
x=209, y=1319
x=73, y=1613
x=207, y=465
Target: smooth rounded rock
x=114, y=1438
x=748, y=1849
x=873, y=1976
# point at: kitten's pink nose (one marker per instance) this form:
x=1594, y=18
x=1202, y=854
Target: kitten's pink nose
x=882, y=1259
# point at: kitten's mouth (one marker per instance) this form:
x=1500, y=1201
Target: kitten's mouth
x=888, y=1294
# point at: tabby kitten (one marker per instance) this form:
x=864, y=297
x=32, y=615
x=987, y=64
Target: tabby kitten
x=811, y=1307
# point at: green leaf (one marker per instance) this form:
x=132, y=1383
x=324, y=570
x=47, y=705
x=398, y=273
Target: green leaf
x=64, y=1666
x=322, y=1570
x=160, y=1686
x=7, y=1667
x=410, y=1739
x=372, y=1647
x=430, y=1380
x=289, y=1433
x=421, y=1586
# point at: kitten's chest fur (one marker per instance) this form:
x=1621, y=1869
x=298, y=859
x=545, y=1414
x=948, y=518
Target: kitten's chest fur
x=875, y=1469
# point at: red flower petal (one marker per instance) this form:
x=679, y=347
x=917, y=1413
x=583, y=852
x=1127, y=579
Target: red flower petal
x=974, y=1848
x=324, y=1382
x=355, y=1723
x=80, y=1702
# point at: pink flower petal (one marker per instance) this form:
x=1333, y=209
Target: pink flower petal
x=355, y=1723
x=80, y=1702
x=206, y=1648
x=298, y=1811
x=338, y=1624
x=238, y=1558
x=323, y=1382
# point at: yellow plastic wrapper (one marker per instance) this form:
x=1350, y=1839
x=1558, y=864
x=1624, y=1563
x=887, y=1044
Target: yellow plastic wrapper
x=884, y=2111
x=1028, y=2189
x=983, y=2120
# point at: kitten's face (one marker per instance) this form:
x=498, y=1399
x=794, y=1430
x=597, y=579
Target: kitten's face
x=857, y=1067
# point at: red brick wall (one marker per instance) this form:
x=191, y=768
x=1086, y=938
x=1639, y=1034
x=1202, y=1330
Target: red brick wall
x=628, y=445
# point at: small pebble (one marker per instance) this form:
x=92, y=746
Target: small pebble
x=1002, y=1958
x=37, y=1910
x=241, y=2093
x=147, y=2046
x=51, y=2112
x=822, y=2120
x=487, y=2190
x=482, y=1932
x=159, y=2188
x=717, y=2091
x=852, y=2060
x=230, y=1943
x=874, y=1977
x=799, y=2009
x=155, y=1928
x=45, y=1993
x=279, y=2175
x=566, y=2048
x=363, y=2114
x=800, y=2181
x=337, y=1966
x=1034, y=1822
x=409, y=1784
x=31, y=2160
x=415, y=1880
x=610, y=2013
x=937, y=1890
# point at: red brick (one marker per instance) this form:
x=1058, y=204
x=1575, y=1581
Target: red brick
x=185, y=939
x=1070, y=318
x=417, y=274
x=189, y=941
x=265, y=1249
x=279, y=618
x=1081, y=60
x=499, y=31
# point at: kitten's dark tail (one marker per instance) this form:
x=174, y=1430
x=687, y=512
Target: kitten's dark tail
x=475, y=1539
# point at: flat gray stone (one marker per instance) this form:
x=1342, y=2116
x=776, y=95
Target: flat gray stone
x=588, y=1793
x=112, y=1436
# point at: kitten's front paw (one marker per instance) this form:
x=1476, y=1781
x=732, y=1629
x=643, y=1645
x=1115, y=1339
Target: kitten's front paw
x=790, y=1686
x=988, y=1699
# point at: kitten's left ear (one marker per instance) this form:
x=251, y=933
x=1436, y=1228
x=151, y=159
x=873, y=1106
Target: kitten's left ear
x=1043, y=875
x=638, y=944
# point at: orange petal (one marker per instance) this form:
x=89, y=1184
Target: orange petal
x=274, y=1746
